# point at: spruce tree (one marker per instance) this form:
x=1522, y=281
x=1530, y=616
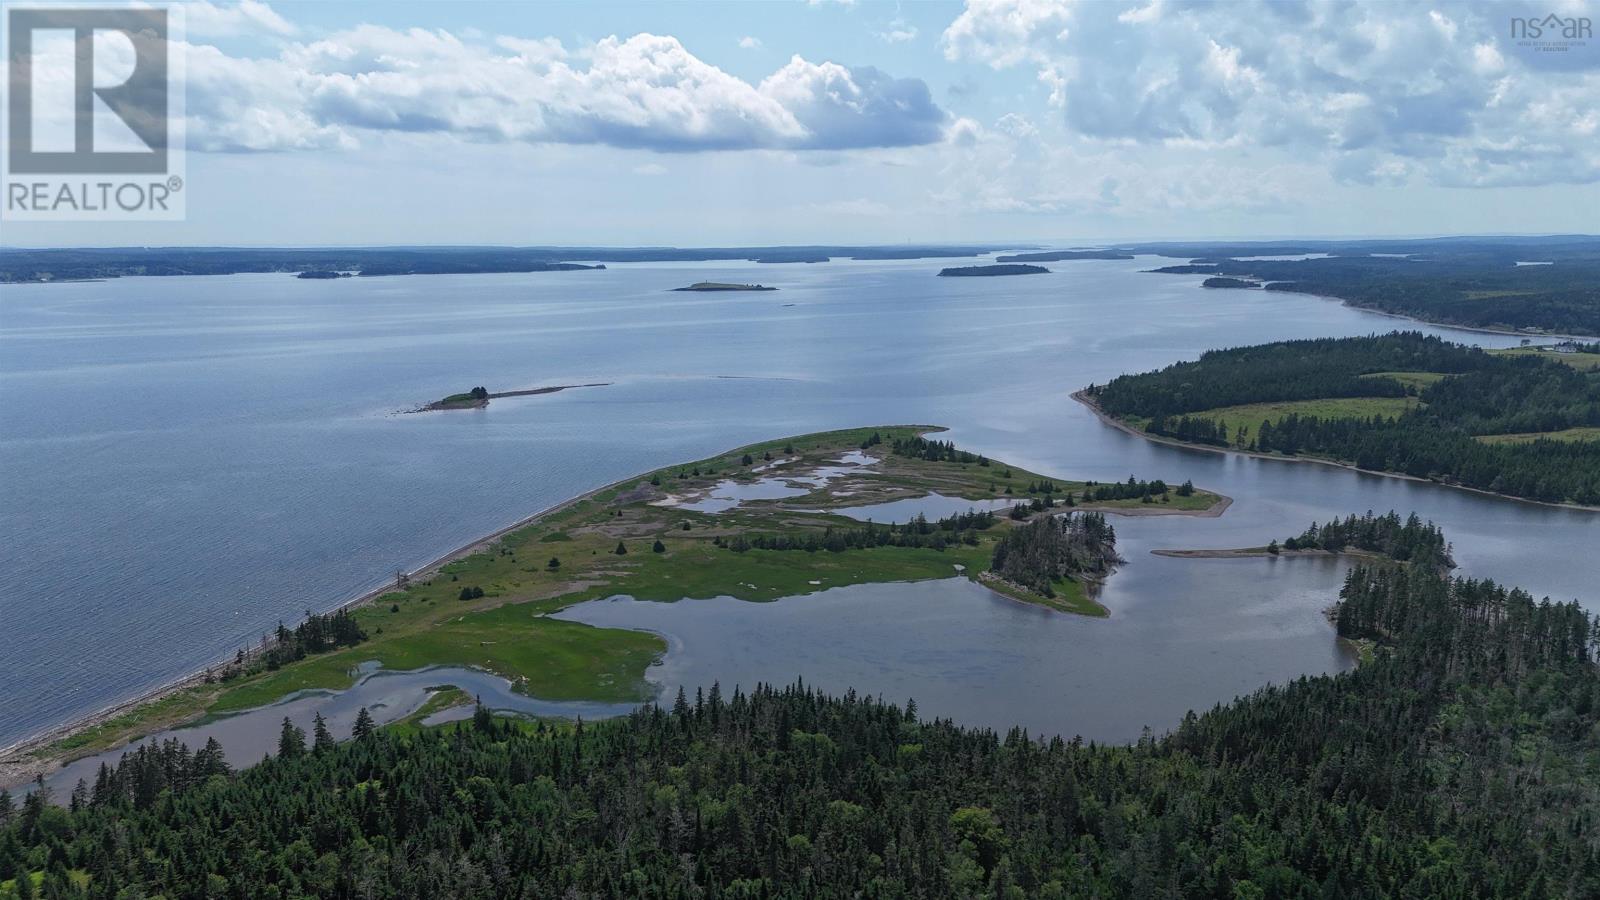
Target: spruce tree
x=321, y=738
x=291, y=740
x=364, y=725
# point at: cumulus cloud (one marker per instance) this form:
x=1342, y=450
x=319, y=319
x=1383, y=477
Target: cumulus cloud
x=1380, y=90
x=750, y=42
x=646, y=91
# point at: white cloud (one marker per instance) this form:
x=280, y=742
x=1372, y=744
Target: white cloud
x=1376, y=91
x=898, y=31
x=749, y=42
x=645, y=91
x=247, y=17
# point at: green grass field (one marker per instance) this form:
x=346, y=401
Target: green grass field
x=1253, y=414
x=1570, y=434
x=507, y=630
x=1586, y=362
x=1418, y=380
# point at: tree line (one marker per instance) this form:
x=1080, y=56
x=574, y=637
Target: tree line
x=918, y=447
x=1455, y=762
x=916, y=533
x=317, y=634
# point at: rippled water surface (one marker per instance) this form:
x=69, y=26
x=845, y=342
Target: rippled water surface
x=185, y=462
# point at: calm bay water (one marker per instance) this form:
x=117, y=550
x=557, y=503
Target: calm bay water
x=185, y=462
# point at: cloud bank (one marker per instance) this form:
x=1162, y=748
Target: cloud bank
x=1381, y=92
x=646, y=91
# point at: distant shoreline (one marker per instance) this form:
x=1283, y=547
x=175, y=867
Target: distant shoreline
x=1082, y=397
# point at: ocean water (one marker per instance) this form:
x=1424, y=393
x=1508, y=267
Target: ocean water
x=186, y=462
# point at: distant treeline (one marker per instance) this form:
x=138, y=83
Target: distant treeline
x=1486, y=395
x=1455, y=762
x=1408, y=540
x=1053, y=548
x=18, y=265
x=1461, y=281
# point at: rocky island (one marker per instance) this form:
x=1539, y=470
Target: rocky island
x=981, y=271
x=1224, y=282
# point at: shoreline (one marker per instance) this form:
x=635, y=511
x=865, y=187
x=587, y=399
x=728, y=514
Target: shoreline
x=13, y=756
x=1476, y=329
x=1082, y=397
x=17, y=768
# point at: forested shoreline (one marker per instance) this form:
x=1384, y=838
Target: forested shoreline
x=1452, y=763
x=1463, y=394
x=1483, y=282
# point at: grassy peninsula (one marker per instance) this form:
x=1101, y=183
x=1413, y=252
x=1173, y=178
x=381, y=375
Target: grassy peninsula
x=1519, y=423
x=653, y=537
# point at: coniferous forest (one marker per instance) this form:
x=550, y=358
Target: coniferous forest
x=1457, y=761
x=1480, y=395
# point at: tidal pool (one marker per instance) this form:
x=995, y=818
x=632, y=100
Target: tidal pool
x=931, y=506
x=728, y=494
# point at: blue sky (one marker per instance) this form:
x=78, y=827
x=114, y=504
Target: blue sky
x=793, y=122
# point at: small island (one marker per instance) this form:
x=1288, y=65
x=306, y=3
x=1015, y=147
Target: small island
x=479, y=397
x=324, y=274
x=1189, y=269
x=724, y=286
x=981, y=271
x=1060, y=255
x=1223, y=282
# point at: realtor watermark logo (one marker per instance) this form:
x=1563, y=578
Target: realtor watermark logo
x=94, y=114
x=1553, y=33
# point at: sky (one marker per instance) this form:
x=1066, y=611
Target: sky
x=790, y=122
